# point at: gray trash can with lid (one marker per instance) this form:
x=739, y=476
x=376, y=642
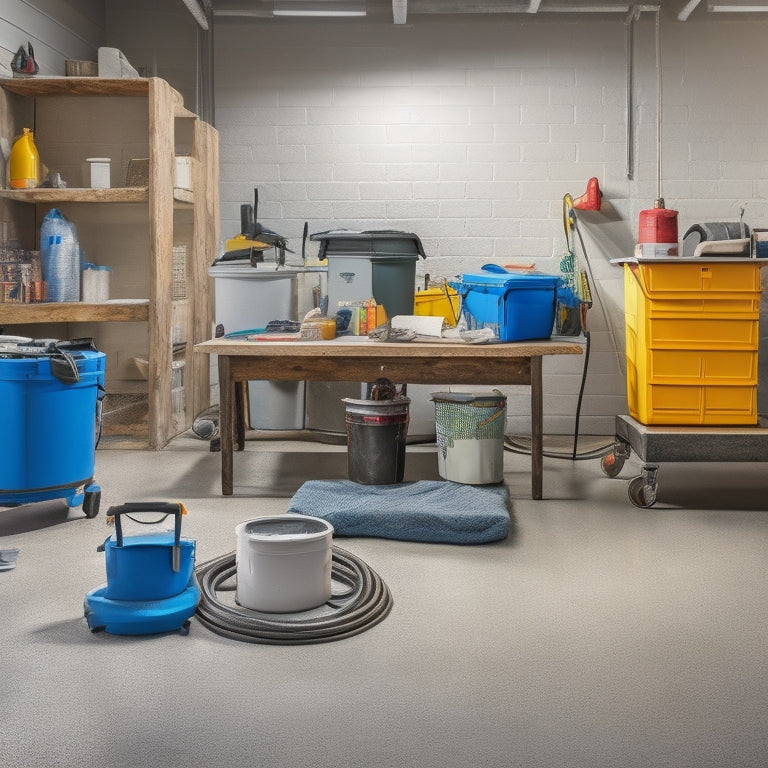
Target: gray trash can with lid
x=373, y=264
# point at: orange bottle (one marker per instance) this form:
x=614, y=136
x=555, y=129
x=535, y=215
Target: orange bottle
x=25, y=162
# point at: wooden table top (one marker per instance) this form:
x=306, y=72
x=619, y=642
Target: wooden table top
x=363, y=347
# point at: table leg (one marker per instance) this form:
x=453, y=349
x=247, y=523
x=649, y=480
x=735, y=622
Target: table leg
x=226, y=423
x=537, y=429
x=241, y=397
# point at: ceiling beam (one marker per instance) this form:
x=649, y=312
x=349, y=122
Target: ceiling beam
x=197, y=12
x=689, y=8
x=402, y=10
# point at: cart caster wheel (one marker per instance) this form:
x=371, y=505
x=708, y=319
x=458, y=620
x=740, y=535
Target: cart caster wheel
x=611, y=464
x=641, y=494
x=91, y=503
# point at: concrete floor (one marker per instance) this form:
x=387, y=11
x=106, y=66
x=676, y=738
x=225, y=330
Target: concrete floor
x=597, y=635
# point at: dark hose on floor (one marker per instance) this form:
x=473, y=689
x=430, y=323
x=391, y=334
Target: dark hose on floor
x=366, y=602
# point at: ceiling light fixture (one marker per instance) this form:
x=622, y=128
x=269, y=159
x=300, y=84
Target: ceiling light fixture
x=611, y=8
x=317, y=8
x=313, y=12
x=727, y=8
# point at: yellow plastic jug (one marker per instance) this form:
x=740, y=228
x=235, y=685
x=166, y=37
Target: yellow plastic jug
x=25, y=162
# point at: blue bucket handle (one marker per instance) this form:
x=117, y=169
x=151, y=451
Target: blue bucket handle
x=62, y=355
x=165, y=508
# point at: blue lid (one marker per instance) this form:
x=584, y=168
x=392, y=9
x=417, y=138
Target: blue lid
x=512, y=281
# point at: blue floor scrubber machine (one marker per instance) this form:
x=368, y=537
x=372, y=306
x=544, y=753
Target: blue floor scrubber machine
x=150, y=585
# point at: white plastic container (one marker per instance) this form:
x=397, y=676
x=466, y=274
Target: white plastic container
x=182, y=176
x=95, y=287
x=284, y=563
x=99, y=172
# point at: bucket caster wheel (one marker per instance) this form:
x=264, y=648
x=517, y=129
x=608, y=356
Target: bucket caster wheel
x=642, y=490
x=91, y=503
x=611, y=464
x=184, y=628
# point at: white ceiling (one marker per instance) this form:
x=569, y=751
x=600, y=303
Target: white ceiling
x=399, y=11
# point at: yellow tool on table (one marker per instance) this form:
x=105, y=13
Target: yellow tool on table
x=243, y=247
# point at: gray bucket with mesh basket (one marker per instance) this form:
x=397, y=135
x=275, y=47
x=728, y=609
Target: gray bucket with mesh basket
x=470, y=436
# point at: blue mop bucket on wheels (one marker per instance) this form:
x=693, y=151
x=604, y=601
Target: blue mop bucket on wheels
x=51, y=393
x=150, y=577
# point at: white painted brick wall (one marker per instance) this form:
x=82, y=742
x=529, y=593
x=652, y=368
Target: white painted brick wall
x=469, y=131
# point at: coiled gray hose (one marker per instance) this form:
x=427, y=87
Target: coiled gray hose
x=366, y=602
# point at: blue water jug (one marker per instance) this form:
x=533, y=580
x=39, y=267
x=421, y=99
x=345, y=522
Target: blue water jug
x=60, y=257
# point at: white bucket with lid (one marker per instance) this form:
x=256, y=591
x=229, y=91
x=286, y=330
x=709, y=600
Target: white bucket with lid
x=284, y=563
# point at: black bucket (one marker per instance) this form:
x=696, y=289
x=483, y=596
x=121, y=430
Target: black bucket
x=376, y=433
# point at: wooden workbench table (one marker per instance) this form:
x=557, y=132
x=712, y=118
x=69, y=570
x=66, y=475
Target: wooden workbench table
x=361, y=359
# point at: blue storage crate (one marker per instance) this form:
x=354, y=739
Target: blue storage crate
x=517, y=307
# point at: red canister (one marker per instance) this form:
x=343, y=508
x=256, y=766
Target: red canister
x=657, y=225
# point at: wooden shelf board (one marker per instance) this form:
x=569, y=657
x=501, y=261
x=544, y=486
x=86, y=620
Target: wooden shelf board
x=74, y=312
x=183, y=112
x=77, y=86
x=183, y=195
x=78, y=195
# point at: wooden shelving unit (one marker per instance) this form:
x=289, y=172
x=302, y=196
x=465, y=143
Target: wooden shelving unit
x=133, y=230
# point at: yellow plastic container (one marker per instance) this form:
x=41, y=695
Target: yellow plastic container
x=319, y=328
x=681, y=279
x=25, y=162
x=692, y=342
x=438, y=302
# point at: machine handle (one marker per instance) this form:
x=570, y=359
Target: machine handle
x=165, y=508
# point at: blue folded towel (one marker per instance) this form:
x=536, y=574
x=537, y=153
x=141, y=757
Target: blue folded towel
x=426, y=510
